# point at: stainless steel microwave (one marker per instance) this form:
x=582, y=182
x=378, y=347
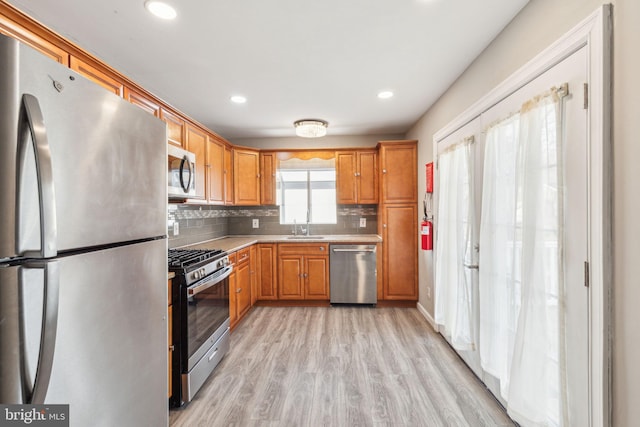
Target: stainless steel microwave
x=181, y=175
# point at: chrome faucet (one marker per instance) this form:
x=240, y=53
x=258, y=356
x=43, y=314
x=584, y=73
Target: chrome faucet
x=307, y=231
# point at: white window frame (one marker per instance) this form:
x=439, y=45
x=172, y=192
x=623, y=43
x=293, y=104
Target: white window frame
x=594, y=33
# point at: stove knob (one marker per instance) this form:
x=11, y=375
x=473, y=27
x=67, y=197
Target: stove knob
x=196, y=275
x=202, y=272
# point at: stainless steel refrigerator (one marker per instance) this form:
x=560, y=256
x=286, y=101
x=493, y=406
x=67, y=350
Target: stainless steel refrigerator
x=83, y=270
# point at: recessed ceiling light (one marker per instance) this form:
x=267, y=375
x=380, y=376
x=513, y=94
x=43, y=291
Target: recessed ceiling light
x=385, y=94
x=238, y=99
x=160, y=9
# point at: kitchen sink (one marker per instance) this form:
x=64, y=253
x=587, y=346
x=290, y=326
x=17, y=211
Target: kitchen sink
x=305, y=237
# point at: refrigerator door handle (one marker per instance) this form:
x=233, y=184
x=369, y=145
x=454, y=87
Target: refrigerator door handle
x=32, y=121
x=37, y=394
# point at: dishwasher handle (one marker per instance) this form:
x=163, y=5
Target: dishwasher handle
x=353, y=250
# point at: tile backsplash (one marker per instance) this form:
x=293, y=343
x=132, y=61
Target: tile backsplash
x=198, y=223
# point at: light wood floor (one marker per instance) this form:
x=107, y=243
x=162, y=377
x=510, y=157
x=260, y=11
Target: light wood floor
x=340, y=366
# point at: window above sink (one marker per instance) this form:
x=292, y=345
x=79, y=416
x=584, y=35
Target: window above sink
x=306, y=191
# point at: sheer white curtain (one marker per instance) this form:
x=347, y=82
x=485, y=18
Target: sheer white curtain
x=453, y=285
x=537, y=390
x=499, y=295
x=521, y=321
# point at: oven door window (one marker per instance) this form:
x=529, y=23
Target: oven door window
x=206, y=312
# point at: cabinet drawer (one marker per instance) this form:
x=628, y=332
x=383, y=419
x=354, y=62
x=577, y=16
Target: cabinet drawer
x=233, y=258
x=303, y=249
x=243, y=255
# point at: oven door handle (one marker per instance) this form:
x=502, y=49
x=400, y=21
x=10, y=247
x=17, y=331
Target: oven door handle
x=209, y=281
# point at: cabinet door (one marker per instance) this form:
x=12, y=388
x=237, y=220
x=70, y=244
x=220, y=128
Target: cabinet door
x=346, y=177
x=228, y=176
x=253, y=271
x=16, y=31
x=97, y=76
x=175, y=127
x=267, y=277
x=267, y=178
x=316, y=277
x=246, y=177
x=197, y=144
x=233, y=286
x=367, y=182
x=170, y=338
x=215, y=171
x=398, y=172
x=142, y=101
x=290, y=280
x=243, y=288
x=400, y=252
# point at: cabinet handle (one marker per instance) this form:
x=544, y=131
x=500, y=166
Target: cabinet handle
x=384, y=171
x=172, y=347
x=384, y=225
x=238, y=290
x=322, y=248
x=305, y=275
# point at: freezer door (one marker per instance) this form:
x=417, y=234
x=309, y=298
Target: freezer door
x=79, y=166
x=109, y=356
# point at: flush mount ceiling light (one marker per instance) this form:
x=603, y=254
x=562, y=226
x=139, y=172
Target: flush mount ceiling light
x=160, y=9
x=386, y=94
x=238, y=99
x=311, y=128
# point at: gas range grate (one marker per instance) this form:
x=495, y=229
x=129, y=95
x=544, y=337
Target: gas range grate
x=183, y=258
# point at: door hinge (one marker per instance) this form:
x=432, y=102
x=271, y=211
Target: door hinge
x=586, y=274
x=585, y=89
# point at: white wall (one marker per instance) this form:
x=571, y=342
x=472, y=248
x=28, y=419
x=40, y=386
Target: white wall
x=329, y=141
x=539, y=24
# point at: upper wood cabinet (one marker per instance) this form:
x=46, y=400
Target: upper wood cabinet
x=175, y=127
x=197, y=144
x=215, y=171
x=16, y=31
x=228, y=175
x=246, y=177
x=267, y=178
x=142, y=101
x=97, y=75
x=398, y=171
x=356, y=177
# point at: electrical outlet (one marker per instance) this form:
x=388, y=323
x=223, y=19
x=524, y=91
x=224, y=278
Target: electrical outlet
x=176, y=228
x=256, y=223
x=363, y=222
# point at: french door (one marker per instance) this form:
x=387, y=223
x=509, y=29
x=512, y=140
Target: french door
x=461, y=258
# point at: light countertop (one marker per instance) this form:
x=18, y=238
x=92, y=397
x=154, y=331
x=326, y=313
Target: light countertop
x=234, y=243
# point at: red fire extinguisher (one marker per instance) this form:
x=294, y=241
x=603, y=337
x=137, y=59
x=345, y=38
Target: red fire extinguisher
x=426, y=232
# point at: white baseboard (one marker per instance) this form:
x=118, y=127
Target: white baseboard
x=427, y=316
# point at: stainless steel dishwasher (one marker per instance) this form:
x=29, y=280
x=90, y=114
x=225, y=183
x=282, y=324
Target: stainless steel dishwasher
x=353, y=274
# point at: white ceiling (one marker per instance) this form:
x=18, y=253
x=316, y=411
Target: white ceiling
x=292, y=59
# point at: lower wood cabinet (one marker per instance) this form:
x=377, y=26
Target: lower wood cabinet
x=399, y=251
x=170, y=349
x=239, y=285
x=267, y=272
x=303, y=271
x=243, y=283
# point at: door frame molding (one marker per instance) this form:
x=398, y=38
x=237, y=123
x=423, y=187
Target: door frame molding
x=594, y=32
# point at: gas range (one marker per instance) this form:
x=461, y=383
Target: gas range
x=196, y=264
x=200, y=293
